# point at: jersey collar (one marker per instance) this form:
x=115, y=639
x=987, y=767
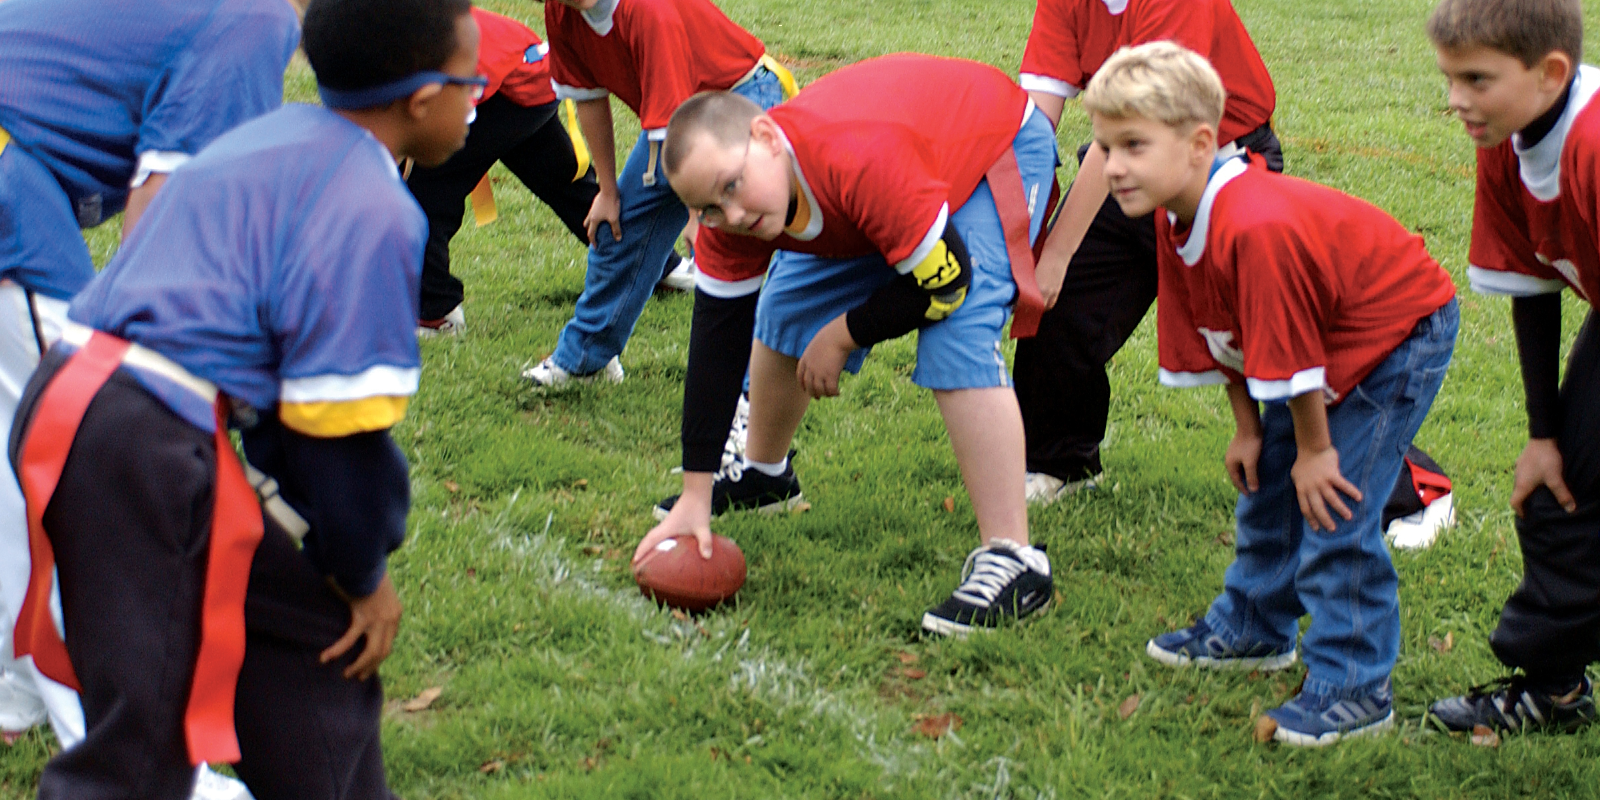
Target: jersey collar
x=600, y=17
x=1540, y=165
x=1116, y=6
x=1195, y=246
x=814, y=224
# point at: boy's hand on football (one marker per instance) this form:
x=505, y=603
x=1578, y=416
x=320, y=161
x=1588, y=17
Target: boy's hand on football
x=823, y=360
x=1244, y=454
x=690, y=514
x=606, y=209
x=377, y=617
x=1319, y=484
x=1540, y=465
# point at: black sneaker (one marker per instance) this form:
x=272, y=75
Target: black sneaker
x=1508, y=704
x=997, y=585
x=740, y=489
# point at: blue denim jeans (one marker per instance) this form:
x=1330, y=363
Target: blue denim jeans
x=622, y=274
x=1282, y=569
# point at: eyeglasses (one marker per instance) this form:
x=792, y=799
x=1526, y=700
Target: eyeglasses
x=713, y=215
x=477, y=84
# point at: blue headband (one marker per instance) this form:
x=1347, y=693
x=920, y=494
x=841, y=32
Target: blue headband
x=384, y=94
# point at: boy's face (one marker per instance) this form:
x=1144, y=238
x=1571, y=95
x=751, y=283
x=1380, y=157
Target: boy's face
x=441, y=117
x=1495, y=94
x=1150, y=164
x=742, y=189
x=581, y=5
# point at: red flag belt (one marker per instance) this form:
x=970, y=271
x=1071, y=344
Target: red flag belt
x=1010, y=200
x=236, y=529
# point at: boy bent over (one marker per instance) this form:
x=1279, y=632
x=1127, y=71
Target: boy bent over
x=1512, y=67
x=1327, y=312
x=271, y=286
x=901, y=193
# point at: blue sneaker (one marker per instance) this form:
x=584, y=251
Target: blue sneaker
x=1200, y=646
x=1311, y=720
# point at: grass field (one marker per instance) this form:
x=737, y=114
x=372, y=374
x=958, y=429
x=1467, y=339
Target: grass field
x=558, y=680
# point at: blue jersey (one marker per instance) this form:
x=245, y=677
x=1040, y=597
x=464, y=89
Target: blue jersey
x=282, y=264
x=88, y=85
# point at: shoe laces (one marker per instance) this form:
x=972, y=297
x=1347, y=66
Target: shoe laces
x=987, y=572
x=732, y=466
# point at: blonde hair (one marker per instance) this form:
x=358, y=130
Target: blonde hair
x=1161, y=81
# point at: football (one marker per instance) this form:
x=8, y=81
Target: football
x=673, y=573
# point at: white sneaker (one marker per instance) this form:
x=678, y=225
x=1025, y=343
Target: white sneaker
x=451, y=324
x=546, y=374
x=681, y=278
x=20, y=707
x=209, y=785
x=738, y=435
x=1419, y=530
x=1042, y=488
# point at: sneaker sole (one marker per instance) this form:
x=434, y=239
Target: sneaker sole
x=1287, y=736
x=1264, y=664
x=771, y=508
x=933, y=623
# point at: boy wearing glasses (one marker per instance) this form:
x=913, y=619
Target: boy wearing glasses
x=273, y=288
x=900, y=194
x=651, y=54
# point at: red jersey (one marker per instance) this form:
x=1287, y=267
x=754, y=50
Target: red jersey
x=1287, y=284
x=512, y=57
x=651, y=54
x=1071, y=39
x=883, y=150
x=1534, y=220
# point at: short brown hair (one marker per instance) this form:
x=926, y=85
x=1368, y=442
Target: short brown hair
x=724, y=116
x=1161, y=81
x=1527, y=30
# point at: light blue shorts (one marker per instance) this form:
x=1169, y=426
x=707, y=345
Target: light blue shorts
x=805, y=292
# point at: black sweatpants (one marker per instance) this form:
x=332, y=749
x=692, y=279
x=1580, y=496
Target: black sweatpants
x=130, y=522
x=1060, y=373
x=531, y=142
x=1550, y=626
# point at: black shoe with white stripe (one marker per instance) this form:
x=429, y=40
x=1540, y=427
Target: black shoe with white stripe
x=1001, y=581
x=741, y=488
x=1511, y=704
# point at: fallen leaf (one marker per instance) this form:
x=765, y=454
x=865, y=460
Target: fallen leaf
x=581, y=483
x=452, y=486
x=593, y=549
x=1442, y=646
x=491, y=767
x=1265, y=728
x=907, y=658
x=1484, y=736
x=11, y=737
x=1128, y=706
x=800, y=507
x=677, y=614
x=423, y=700
x=472, y=573
x=950, y=504
x=913, y=674
x=516, y=627
x=938, y=725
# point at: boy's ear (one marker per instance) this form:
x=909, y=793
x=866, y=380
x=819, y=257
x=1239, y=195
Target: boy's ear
x=1202, y=141
x=765, y=131
x=420, y=102
x=1555, y=70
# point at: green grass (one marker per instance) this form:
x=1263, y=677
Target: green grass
x=560, y=681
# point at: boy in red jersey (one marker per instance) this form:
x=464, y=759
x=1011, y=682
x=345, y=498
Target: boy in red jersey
x=1327, y=311
x=515, y=123
x=899, y=194
x=1512, y=67
x=651, y=54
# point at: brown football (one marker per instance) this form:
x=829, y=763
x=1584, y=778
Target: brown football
x=673, y=573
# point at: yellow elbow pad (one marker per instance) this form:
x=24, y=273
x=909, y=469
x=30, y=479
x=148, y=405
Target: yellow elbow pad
x=938, y=270
x=943, y=305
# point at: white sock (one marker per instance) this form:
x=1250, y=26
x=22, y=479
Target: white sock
x=770, y=470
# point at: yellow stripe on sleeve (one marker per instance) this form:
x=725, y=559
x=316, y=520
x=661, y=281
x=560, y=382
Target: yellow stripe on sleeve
x=328, y=419
x=5, y=139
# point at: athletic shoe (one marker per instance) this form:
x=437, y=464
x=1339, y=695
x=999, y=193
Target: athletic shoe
x=451, y=324
x=547, y=375
x=680, y=278
x=738, y=436
x=1419, y=530
x=739, y=488
x=1508, y=704
x=1000, y=581
x=1042, y=488
x=1202, y=647
x=20, y=707
x=209, y=785
x=1311, y=720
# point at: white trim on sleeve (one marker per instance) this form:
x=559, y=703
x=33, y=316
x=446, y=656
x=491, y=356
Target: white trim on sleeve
x=382, y=380
x=578, y=94
x=1306, y=380
x=929, y=239
x=727, y=290
x=1043, y=83
x=1190, y=380
x=1510, y=284
x=153, y=161
x=656, y=134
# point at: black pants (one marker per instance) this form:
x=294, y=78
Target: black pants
x=1061, y=373
x=531, y=142
x=130, y=523
x=1551, y=624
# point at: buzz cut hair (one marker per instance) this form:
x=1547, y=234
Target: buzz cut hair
x=724, y=116
x=358, y=44
x=1527, y=30
x=1160, y=81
